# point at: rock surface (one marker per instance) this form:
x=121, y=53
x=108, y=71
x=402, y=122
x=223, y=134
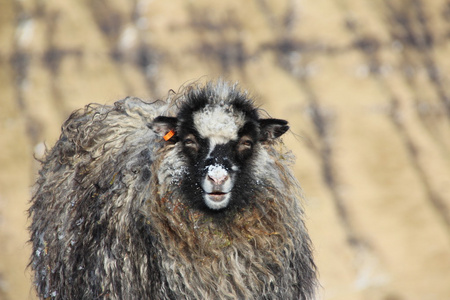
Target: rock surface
x=365, y=85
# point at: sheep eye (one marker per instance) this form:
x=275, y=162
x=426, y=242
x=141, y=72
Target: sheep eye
x=190, y=142
x=246, y=143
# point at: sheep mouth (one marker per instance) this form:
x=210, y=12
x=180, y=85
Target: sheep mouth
x=217, y=196
x=217, y=200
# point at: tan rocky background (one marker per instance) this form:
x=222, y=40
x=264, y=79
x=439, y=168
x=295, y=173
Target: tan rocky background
x=364, y=84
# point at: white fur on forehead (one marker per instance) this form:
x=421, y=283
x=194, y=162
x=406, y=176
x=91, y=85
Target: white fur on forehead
x=219, y=123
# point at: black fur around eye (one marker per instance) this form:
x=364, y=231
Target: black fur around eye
x=244, y=148
x=190, y=145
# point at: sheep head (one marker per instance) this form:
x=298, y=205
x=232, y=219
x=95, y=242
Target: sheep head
x=219, y=131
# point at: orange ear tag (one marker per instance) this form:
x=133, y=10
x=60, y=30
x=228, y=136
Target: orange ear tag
x=169, y=135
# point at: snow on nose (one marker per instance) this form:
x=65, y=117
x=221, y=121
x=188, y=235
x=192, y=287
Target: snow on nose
x=217, y=174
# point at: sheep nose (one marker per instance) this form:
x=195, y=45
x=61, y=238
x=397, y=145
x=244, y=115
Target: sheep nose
x=218, y=180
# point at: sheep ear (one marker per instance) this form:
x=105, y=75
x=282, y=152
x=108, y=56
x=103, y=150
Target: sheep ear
x=165, y=127
x=272, y=128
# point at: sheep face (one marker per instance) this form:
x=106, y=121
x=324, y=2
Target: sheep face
x=219, y=135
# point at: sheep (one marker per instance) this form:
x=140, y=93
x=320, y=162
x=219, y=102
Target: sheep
x=191, y=197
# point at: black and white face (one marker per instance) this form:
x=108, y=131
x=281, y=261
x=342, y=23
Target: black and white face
x=219, y=147
x=219, y=142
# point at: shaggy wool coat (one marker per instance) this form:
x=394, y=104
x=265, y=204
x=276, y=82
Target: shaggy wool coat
x=113, y=215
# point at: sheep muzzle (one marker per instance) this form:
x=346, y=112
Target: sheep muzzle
x=217, y=184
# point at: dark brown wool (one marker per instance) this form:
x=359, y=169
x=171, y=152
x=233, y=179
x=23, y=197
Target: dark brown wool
x=120, y=213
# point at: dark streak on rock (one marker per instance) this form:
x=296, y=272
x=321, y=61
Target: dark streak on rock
x=439, y=204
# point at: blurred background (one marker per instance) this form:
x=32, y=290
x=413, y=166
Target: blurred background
x=364, y=84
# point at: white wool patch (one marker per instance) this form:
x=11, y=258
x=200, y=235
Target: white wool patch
x=218, y=123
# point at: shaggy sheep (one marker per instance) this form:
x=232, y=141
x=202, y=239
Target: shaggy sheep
x=188, y=198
